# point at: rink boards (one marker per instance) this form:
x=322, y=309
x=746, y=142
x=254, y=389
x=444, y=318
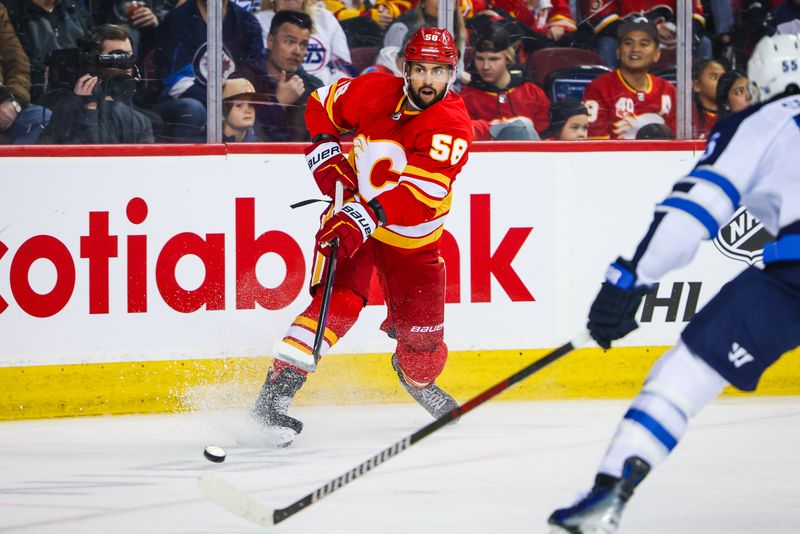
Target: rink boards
x=157, y=278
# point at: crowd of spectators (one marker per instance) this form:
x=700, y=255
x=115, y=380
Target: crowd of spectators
x=134, y=71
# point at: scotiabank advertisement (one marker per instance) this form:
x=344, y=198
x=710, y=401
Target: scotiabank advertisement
x=108, y=259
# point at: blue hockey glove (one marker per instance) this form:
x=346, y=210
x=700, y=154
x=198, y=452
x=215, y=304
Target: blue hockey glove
x=613, y=311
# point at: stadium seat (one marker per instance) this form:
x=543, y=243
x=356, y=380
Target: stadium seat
x=669, y=58
x=362, y=57
x=571, y=81
x=546, y=60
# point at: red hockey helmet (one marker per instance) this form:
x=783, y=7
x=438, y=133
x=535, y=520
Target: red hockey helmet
x=432, y=45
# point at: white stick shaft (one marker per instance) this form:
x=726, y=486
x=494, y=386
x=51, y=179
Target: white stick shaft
x=338, y=197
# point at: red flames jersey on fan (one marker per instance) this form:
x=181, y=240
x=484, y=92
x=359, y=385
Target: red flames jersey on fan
x=407, y=159
x=601, y=13
x=617, y=110
x=558, y=13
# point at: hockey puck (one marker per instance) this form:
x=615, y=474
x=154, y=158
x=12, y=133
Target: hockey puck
x=214, y=454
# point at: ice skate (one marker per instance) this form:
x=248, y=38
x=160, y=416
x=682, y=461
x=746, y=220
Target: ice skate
x=272, y=404
x=599, y=512
x=430, y=397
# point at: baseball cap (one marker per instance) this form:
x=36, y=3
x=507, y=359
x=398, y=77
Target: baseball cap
x=494, y=38
x=239, y=90
x=638, y=24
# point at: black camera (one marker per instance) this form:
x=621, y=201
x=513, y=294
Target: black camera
x=66, y=66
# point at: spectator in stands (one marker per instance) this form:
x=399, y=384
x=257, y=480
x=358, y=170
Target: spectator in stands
x=786, y=17
x=182, y=46
x=181, y=61
x=239, y=111
x=140, y=18
x=497, y=93
x=20, y=123
x=43, y=26
x=705, y=75
x=604, y=19
x=550, y=22
x=285, y=83
x=382, y=12
x=655, y=131
x=388, y=60
x=622, y=101
x=328, y=57
x=426, y=13
x=100, y=109
x=569, y=121
x=733, y=93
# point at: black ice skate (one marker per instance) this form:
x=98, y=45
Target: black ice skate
x=273, y=401
x=599, y=512
x=430, y=397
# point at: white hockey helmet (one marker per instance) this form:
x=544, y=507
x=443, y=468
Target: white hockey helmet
x=774, y=65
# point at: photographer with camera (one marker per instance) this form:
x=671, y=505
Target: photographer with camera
x=100, y=110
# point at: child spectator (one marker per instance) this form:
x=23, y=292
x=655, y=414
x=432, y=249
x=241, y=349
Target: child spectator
x=622, y=101
x=497, y=93
x=328, y=57
x=238, y=111
x=705, y=75
x=733, y=93
x=569, y=121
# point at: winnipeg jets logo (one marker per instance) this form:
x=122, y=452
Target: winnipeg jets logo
x=739, y=356
x=743, y=238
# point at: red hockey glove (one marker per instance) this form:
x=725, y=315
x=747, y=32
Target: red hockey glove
x=328, y=165
x=353, y=224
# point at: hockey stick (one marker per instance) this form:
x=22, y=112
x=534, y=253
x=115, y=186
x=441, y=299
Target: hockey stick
x=226, y=495
x=328, y=288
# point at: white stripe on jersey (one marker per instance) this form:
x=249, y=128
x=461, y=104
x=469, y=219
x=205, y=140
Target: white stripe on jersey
x=431, y=189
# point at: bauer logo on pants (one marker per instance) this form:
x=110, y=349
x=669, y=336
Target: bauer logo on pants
x=743, y=238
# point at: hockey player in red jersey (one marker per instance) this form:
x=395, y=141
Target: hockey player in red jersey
x=411, y=139
x=622, y=101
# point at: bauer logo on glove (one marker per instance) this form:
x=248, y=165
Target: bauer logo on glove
x=351, y=225
x=323, y=152
x=328, y=165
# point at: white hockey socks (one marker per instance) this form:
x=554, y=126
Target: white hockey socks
x=678, y=387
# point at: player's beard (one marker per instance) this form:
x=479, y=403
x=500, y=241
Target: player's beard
x=416, y=98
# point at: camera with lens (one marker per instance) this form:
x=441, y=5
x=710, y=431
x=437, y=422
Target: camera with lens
x=66, y=66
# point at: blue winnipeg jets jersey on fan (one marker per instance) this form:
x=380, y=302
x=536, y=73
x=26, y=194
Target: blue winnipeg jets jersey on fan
x=752, y=159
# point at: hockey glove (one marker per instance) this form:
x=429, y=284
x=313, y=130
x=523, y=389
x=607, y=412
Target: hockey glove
x=613, y=311
x=352, y=225
x=328, y=165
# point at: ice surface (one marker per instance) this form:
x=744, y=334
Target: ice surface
x=502, y=469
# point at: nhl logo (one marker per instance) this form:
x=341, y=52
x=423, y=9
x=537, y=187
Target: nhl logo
x=743, y=238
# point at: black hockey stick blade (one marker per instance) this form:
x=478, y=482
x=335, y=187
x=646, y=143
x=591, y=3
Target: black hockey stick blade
x=226, y=495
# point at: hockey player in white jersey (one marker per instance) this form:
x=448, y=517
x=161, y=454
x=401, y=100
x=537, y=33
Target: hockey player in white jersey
x=752, y=159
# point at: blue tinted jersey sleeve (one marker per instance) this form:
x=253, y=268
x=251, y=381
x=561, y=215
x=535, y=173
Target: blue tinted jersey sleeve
x=705, y=199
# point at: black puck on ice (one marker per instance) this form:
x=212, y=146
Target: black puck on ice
x=214, y=454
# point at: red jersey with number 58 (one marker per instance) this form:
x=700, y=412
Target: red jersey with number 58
x=408, y=160
x=618, y=111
